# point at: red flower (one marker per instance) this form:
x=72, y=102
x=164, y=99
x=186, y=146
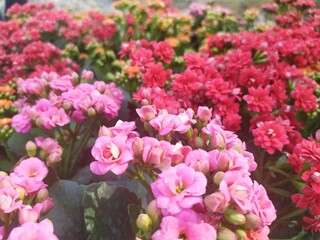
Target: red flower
x=164, y=51
x=304, y=98
x=155, y=76
x=259, y=100
x=271, y=136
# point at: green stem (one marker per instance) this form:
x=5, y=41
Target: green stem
x=140, y=178
x=82, y=144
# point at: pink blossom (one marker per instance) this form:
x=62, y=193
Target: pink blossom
x=156, y=152
x=176, y=228
x=216, y=202
x=9, y=200
x=199, y=160
x=62, y=83
x=164, y=123
x=261, y=204
x=147, y=113
x=110, y=154
x=31, y=86
x=240, y=192
x=31, y=231
x=178, y=188
x=21, y=121
x=31, y=168
x=28, y=214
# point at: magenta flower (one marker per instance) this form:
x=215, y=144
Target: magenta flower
x=31, y=230
x=111, y=154
x=178, y=188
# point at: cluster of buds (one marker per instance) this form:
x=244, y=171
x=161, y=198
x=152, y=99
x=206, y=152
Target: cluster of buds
x=7, y=110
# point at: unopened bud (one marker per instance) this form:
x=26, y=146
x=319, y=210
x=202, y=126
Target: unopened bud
x=226, y=234
x=91, y=112
x=144, y=222
x=154, y=212
x=234, y=217
x=42, y=194
x=241, y=234
x=137, y=147
x=21, y=192
x=31, y=148
x=198, y=142
x=217, y=178
x=87, y=75
x=253, y=221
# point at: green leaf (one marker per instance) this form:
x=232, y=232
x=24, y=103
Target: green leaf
x=67, y=214
x=106, y=212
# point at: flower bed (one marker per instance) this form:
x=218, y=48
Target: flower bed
x=151, y=123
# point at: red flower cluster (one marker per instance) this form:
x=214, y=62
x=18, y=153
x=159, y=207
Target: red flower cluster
x=306, y=161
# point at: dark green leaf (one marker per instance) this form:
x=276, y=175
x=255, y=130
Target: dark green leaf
x=67, y=214
x=106, y=212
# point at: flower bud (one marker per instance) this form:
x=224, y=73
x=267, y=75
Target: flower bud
x=204, y=114
x=154, y=212
x=137, y=147
x=47, y=205
x=216, y=202
x=217, y=177
x=241, y=234
x=91, y=112
x=3, y=174
x=144, y=222
x=42, y=194
x=31, y=148
x=27, y=214
x=21, y=191
x=234, y=217
x=226, y=234
x=253, y=221
x=104, y=131
x=67, y=106
x=87, y=75
x=198, y=142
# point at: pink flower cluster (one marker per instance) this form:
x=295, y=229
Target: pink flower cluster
x=197, y=187
x=24, y=196
x=305, y=159
x=52, y=101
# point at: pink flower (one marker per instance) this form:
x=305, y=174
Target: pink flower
x=304, y=99
x=9, y=200
x=21, y=122
x=216, y=202
x=239, y=193
x=147, y=113
x=156, y=152
x=51, y=148
x=110, y=154
x=62, y=83
x=178, y=188
x=164, y=51
x=31, y=231
x=28, y=214
x=31, y=86
x=164, y=123
x=271, y=136
x=32, y=168
x=199, y=160
x=261, y=204
x=176, y=228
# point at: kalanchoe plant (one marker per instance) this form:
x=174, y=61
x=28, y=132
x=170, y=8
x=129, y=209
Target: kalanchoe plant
x=66, y=110
x=197, y=175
